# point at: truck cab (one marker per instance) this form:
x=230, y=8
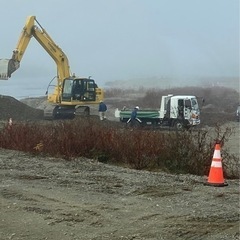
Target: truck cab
x=180, y=111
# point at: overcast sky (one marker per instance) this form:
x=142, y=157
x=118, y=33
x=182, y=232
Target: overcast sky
x=123, y=40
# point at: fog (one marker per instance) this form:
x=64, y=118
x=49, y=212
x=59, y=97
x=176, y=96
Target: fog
x=185, y=41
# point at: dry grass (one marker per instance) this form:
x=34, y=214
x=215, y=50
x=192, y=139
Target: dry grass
x=176, y=152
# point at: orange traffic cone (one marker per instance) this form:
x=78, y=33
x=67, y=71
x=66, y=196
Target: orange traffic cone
x=215, y=177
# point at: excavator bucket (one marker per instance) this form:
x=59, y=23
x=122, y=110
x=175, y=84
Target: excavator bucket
x=7, y=67
x=4, y=69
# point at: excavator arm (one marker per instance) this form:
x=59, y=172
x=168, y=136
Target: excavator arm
x=31, y=29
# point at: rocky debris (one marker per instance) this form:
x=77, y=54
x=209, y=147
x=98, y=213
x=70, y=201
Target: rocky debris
x=12, y=108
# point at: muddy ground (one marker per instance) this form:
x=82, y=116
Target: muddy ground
x=47, y=198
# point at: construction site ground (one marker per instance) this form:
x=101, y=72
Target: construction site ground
x=51, y=198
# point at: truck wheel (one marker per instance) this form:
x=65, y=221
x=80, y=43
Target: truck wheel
x=178, y=125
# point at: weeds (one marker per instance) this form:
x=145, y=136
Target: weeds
x=175, y=152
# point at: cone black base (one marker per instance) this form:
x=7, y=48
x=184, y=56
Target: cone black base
x=216, y=184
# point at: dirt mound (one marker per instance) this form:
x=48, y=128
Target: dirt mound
x=37, y=102
x=11, y=107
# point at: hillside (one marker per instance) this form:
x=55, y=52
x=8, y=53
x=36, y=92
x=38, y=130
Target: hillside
x=173, y=82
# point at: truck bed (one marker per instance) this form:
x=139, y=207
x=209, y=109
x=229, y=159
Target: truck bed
x=143, y=115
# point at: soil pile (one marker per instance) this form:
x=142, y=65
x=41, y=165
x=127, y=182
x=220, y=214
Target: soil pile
x=12, y=108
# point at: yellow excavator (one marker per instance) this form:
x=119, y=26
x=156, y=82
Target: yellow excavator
x=72, y=95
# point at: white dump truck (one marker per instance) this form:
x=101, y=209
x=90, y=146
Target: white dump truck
x=180, y=111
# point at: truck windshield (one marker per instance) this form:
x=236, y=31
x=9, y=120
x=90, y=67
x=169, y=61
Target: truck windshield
x=194, y=104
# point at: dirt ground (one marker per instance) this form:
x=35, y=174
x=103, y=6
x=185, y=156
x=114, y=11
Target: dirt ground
x=47, y=198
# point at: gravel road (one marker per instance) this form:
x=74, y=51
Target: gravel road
x=47, y=198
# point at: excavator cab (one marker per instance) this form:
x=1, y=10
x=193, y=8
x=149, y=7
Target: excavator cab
x=76, y=95
x=79, y=90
